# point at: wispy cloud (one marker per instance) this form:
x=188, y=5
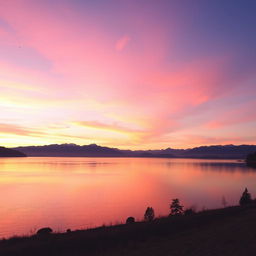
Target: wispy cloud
x=106, y=127
x=122, y=42
x=19, y=130
x=146, y=79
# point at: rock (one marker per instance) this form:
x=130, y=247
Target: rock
x=44, y=231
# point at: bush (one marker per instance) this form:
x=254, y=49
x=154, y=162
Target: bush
x=130, y=220
x=189, y=211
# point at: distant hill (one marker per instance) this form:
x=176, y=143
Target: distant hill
x=74, y=150
x=93, y=150
x=218, y=151
x=6, y=152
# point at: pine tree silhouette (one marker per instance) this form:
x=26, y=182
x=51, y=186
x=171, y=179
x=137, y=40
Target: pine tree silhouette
x=149, y=214
x=176, y=208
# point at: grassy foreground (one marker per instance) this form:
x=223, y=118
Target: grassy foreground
x=229, y=231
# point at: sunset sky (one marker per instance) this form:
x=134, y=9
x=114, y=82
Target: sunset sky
x=135, y=74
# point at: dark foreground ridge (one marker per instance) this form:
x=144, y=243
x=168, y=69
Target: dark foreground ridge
x=227, y=231
x=7, y=152
x=93, y=150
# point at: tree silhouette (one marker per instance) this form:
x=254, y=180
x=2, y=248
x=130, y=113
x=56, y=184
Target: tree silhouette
x=251, y=160
x=176, y=208
x=149, y=214
x=245, y=198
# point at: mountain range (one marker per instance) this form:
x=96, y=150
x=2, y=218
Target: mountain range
x=93, y=150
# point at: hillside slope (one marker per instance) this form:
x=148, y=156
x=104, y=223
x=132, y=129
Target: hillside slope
x=7, y=152
x=230, y=231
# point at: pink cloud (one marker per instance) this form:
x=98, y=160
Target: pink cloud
x=19, y=130
x=139, y=86
x=122, y=42
x=238, y=115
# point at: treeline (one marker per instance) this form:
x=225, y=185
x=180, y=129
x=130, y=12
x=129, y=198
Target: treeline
x=176, y=209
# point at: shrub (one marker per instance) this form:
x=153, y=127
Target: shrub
x=189, y=211
x=130, y=220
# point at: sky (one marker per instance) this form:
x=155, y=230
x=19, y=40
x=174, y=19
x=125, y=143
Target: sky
x=137, y=74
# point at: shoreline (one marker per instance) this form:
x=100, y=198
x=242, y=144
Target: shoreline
x=146, y=237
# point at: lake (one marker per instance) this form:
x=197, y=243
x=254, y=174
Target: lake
x=77, y=193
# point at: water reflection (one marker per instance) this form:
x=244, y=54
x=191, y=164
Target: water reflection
x=85, y=192
x=213, y=165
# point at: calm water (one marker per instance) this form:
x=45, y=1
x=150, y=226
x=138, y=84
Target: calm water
x=86, y=192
